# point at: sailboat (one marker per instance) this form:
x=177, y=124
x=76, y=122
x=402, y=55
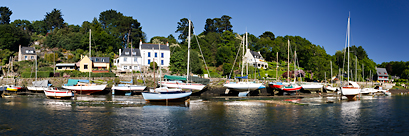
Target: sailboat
x=85, y=87
x=165, y=93
x=243, y=87
x=350, y=89
x=293, y=86
x=38, y=85
x=128, y=86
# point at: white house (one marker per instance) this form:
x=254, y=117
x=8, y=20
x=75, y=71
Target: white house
x=151, y=53
x=255, y=59
x=26, y=53
x=127, y=62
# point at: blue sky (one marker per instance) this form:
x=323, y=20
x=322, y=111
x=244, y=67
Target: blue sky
x=380, y=27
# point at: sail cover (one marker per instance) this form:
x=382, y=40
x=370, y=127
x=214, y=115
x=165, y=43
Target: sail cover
x=191, y=79
x=42, y=83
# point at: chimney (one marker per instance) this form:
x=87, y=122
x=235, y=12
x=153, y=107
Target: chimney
x=167, y=44
x=119, y=52
x=140, y=43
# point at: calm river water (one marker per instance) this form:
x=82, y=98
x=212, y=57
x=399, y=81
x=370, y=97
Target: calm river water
x=130, y=115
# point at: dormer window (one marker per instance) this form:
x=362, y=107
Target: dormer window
x=96, y=59
x=133, y=53
x=103, y=60
x=126, y=53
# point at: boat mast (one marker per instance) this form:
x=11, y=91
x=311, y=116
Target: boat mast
x=188, y=54
x=36, y=65
x=277, y=68
x=160, y=68
x=242, y=58
x=288, y=59
x=90, y=66
x=330, y=79
x=348, y=43
x=131, y=63
x=247, y=66
x=154, y=69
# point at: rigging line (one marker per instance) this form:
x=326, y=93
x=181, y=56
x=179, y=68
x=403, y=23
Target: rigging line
x=202, y=53
x=231, y=71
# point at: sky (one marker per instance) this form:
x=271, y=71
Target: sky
x=381, y=27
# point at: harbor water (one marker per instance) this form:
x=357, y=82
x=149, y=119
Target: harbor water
x=131, y=115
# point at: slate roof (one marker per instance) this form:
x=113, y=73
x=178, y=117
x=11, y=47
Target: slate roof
x=256, y=54
x=100, y=59
x=29, y=49
x=381, y=72
x=65, y=65
x=155, y=46
x=137, y=52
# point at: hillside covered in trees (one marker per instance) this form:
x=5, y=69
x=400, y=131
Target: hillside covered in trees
x=219, y=44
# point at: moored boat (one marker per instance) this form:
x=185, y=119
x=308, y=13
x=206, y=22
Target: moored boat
x=83, y=86
x=53, y=92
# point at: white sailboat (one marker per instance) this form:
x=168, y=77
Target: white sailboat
x=53, y=92
x=165, y=93
x=128, y=86
x=243, y=87
x=350, y=89
x=86, y=88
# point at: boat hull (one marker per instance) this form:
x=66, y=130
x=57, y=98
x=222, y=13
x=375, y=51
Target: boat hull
x=312, y=86
x=58, y=94
x=35, y=88
x=350, y=91
x=127, y=88
x=188, y=86
x=85, y=89
x=244, y=86
x=163, y=96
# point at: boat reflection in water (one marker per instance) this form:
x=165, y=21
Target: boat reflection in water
x=170, y=103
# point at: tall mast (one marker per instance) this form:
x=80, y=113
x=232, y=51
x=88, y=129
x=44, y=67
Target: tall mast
x=330, y=79
x=242, y=58
x=160, y=68
x=36, y=65
x=90, y=66
x=188, y=54
x=277, y=68
x=348, y=44
x=288, y=59
x=154, y=69
x=247, y=44
x=356, y=67
x=131, y=64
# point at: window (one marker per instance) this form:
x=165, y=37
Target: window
x=156, y=54
x=25, y=57
x=96, y=59
x=86, y=66
x=161, y=62
x=103, y=60
x=130, y=67
x=126, y=53
x=135, y=60
x=32, y=57
x=149, y=61
x=125, y=67
x=161, y=55
x=149, y=54
x=133, y=53
x=125, y=59
x=135, y=67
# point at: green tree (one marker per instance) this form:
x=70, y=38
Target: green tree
x=11, y=38
x=183, y=29
x=39, y=27
x=5, y=14
x=268, y=35
x=153, y=65
x=54, y=19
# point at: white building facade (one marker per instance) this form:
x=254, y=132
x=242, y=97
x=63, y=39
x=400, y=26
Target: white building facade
x=255, y=58
x=128, y=62
x=151, y=53
x=142, y=58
